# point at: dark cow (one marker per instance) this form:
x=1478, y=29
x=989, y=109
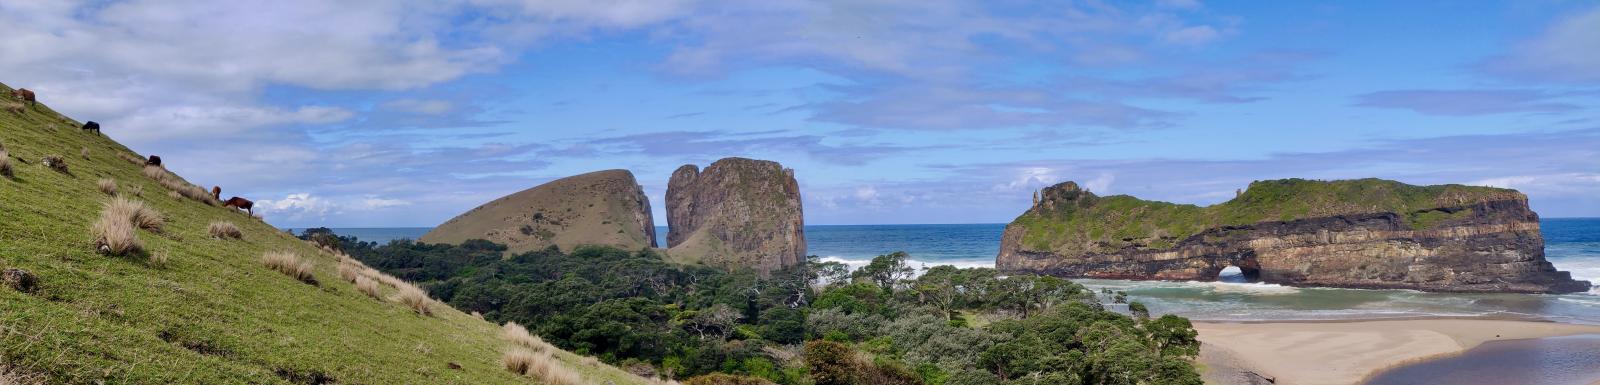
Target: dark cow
x=155, y=160
x=26, y=95
x=216, y=192
x=240, y=203
x=92, y=126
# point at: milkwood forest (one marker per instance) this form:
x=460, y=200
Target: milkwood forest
x=821, y=323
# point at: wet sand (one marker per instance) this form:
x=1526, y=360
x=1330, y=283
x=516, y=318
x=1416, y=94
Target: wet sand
x=1348, y=352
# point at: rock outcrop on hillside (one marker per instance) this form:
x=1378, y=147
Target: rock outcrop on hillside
x=599, y=208
x=1365, y=233
x=737, y=213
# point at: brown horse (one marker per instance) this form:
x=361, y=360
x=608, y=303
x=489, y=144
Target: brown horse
x=26, y=95
x=240, y=203
x=216, y=192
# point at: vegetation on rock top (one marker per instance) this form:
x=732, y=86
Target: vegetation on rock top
x=1069, y=221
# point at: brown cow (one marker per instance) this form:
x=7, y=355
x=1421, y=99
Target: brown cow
x=26, y=95
x=240, y=203
x=155, y=160
x=216, y=192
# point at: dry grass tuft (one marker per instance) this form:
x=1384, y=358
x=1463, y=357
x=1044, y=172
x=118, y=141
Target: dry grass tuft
x=114, y=233
x=414, y=297
x=136, y=190
x=518, y=335
x=549, y=370
x=158, y=259
x=135, y=159
x=84, y=152
x=155, y=172
x=289, y=264
x=477, y=315
x=175, y=195
x=137, y=213
x=349, y=272
x=518, y=361
x=108, y=186
x=368, y=287
x=224, y=230
x=5, y=164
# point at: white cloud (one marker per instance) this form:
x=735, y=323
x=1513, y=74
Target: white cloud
x=1569, y=50
x=1193, y=36
x=297, y=207
x=418, y=106
x=376, y=203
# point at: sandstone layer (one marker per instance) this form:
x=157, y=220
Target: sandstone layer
x=1365, y=233
x=737, y=213
x=606, y=208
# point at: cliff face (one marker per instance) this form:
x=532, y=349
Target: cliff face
x=1362, y=234
x=600, y=208
x=737, y=213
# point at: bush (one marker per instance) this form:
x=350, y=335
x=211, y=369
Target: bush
x=289, y=264
x=224, y=230
x=726, y=379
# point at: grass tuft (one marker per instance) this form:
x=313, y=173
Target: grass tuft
x=107, y=185
x=349, y=271
x=114, y=234
x=158, y=259
x=224, y=230
x=518, y=335
x=55, y=162
x=136, y=190
x=138, y=214
x=289, y=264
x=549, y=370
x=5, y=164
x=518, y=361
x=414, y=297
x=368, y=287
x=85, y=153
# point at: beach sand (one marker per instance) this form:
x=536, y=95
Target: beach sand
x=1347, y=352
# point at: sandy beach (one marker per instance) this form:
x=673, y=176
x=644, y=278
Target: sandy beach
x=1340, y=353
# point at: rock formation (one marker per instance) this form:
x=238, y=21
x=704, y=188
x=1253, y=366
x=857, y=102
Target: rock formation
x=1365, y=233
x=737, y=213
x=599, y=208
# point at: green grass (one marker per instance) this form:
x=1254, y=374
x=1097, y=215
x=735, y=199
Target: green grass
x=1076, y=221
x=211, y=313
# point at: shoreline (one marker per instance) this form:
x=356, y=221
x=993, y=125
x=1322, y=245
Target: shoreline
x=1346, y=352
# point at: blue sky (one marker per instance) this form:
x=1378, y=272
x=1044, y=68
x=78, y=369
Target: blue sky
x=401, y=113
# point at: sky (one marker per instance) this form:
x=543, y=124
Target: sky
x=405, y=113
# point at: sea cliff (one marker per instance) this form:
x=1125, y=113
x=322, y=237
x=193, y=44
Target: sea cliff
x=1366, y=233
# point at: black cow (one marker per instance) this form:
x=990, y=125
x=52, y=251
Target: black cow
x=155, y=160
x=92, y=126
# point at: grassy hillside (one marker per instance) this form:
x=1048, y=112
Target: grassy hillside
x=1069, y=220
x=192, y=308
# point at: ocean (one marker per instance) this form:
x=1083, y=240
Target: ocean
x=1571, y=244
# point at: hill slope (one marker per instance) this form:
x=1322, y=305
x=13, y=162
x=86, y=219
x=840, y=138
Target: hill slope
x=605, y=208
x=1347, y=233
x=211, y=312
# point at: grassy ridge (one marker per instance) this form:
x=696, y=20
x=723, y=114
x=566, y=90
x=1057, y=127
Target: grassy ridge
x=211, y=312
x=1070, y=221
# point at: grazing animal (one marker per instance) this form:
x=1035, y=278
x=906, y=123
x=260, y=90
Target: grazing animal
x=216, y=192
x=155, y=160
x=92, y=126
x=26, y=95
x=240, y=203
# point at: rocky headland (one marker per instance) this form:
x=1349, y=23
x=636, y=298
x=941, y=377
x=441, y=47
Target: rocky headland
x=1366, y=233
x=736, y=213
x=606, y=208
